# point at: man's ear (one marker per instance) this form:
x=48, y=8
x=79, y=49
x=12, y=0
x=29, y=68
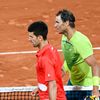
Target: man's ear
x=67, y=23
x=40, y=38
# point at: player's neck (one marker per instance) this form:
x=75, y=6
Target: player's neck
x=43, y=44
x=70, y=33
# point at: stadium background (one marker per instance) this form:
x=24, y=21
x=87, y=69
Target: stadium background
x=16, y=15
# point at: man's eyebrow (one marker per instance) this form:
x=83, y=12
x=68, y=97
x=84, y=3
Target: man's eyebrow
x=30, y=36
x=57, y=21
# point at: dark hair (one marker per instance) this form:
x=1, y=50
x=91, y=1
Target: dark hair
x=66, y=15
x=39, y=28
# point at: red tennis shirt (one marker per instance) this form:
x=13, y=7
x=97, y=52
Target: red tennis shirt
x=49, y=68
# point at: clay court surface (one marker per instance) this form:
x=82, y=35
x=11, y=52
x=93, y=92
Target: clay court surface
x=16, y=15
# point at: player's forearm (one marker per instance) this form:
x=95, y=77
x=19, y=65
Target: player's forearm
x=52, y=90
x=95, y=70
x=95, y=79
x=93, y=63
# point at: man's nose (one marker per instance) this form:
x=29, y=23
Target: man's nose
x=55, y=25
x=29, y=39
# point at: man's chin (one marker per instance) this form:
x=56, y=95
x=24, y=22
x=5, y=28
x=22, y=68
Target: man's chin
x=34, y=46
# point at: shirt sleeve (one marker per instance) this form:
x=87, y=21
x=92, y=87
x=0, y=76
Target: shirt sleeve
x=49, y=69
x=84, y=48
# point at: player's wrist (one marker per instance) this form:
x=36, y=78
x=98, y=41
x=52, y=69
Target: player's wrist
x=95, y=80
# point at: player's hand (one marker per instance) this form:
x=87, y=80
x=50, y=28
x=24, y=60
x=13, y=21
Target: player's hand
x=95, y=91
x=91, y=98
x=35, y=92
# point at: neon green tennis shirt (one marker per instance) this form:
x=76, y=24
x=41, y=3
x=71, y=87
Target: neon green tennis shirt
x=75, y=51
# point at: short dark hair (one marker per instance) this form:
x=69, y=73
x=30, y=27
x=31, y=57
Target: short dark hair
x=39, y=28
x=67, y=15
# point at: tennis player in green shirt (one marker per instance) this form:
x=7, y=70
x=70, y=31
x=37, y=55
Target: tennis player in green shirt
x=78, y=54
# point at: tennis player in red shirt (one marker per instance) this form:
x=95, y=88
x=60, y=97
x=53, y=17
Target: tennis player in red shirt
x=48, y=67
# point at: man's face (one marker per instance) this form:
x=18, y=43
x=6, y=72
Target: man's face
x=59, y=24
x=34, y=40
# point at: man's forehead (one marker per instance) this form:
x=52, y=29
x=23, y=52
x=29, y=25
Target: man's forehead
x=58, y=18
x=31, y=33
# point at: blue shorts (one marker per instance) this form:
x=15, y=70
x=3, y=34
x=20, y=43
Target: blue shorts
x=77, y=95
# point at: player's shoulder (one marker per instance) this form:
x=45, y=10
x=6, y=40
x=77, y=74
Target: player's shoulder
x=79, y=38
x=52, y=49
x=78, y=35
